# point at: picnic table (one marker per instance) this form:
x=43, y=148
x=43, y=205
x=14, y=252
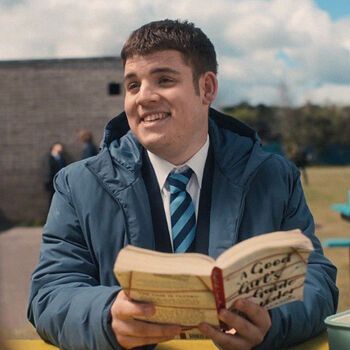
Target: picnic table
x=340, y=242
x=343, y=208
x=318, y=343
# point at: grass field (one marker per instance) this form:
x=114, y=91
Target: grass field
x=328, y=185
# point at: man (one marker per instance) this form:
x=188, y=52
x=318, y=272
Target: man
x=53, y=163
x=86, y=138
x=122, y=196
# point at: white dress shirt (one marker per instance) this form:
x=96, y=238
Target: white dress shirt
x=162, y=168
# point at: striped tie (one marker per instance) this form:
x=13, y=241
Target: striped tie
x=183, y=218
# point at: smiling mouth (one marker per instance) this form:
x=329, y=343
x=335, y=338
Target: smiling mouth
x=149, y=118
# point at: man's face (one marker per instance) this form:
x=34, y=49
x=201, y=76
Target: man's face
x=57, y=149
x=164, y=111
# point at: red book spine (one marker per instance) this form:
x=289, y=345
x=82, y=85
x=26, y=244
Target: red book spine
x=217, y=282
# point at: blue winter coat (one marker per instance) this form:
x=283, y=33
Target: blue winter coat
x=101, y=204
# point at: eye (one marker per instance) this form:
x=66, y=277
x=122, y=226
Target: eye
x=164, y=80
x=132, y=86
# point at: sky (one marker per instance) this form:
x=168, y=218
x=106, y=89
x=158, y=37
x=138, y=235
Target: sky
x=269, y=51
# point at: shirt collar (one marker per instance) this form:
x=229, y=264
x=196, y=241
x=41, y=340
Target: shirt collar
x=162, y=168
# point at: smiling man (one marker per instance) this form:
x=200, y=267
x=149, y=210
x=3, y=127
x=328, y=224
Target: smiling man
x=173, y=175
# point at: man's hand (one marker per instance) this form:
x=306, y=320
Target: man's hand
x=131, y=333
x=244, y=333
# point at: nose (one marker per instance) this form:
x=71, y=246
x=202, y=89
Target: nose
x=147, y=94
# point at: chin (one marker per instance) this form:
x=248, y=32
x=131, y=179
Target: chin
x=152, y=140
x=157, y=148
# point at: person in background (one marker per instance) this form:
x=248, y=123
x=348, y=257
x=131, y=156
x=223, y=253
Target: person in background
x=300, y=157
x=54, y=161
x=89, y=150
x=168, y=141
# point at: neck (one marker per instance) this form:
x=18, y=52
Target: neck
x=183, y=156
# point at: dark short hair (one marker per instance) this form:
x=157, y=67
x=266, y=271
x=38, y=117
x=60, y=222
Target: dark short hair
x=195, y=47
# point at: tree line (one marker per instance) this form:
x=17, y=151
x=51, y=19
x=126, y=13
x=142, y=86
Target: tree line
x=323, y=131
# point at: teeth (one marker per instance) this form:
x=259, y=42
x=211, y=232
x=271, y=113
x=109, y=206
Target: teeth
x=155, y=116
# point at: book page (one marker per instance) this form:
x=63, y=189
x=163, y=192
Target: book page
x=179, y=299
x=133, y=258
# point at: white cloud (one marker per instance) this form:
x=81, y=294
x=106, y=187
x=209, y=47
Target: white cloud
x=260, y=43
x=328, y=94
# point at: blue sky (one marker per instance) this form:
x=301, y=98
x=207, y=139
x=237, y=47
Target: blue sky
x=336, y=8
x=261, y=45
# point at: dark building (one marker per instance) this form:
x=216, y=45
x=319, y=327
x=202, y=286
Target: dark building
x=46, y=101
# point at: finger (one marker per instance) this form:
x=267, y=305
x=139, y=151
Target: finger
x=133, y=333
x=146, y=330
x=223, y=340
x=243, y=327
x=258, y=315
x=124, y=308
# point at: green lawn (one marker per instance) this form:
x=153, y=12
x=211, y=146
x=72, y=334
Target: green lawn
x=328, y=185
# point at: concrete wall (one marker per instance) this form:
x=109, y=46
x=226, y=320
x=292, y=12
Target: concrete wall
x=44, y=101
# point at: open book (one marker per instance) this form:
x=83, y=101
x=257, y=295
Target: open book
x=191, y=288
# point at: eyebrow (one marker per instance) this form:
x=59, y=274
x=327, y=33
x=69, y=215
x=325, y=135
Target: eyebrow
x=158, y=70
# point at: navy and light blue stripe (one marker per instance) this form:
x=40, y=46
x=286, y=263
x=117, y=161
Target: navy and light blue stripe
x=182, y=213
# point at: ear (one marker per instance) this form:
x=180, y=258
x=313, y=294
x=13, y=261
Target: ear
x=209, y=87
